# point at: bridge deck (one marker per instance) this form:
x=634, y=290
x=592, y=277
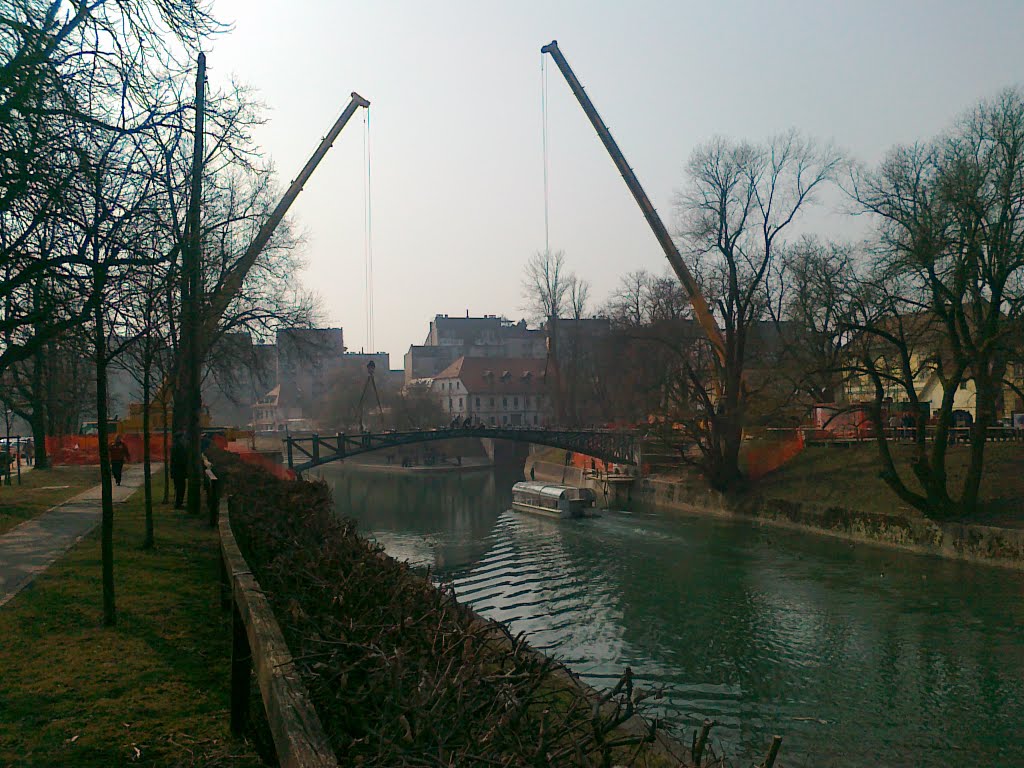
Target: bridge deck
x=307, y=452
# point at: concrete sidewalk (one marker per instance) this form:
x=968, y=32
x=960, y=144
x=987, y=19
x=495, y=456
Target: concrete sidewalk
x=30, y=548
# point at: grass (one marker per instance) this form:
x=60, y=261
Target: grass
x=40, y=490
x=151, y=691
x=848, y=476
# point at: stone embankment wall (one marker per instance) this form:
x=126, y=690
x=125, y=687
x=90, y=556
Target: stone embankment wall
x=979, y=543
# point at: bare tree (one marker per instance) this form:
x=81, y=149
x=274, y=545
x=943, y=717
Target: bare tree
x=809, y=299
x=950, y=217
x=579, y=296
x=739, y=201
x=73, y=72
x=546, y=283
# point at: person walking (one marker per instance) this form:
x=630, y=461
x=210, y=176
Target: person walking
x=179, y=467
x=118, y=456
x=30, y=453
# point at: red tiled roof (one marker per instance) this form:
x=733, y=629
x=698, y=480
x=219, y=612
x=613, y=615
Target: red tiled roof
x=497, y=374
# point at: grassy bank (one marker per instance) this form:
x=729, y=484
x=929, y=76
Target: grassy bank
x=151, y=691
x=40, y=490
x=848, y=477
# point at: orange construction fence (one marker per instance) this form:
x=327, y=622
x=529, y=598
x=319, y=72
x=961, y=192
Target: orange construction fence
x=767, y=457
x=85, y=449
x=249, y=456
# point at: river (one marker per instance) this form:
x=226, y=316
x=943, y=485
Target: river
x=857, y=655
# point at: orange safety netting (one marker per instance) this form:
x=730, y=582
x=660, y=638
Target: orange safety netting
x=764, y=458
x=258, y=459
x=584, y=462
x=85, y=449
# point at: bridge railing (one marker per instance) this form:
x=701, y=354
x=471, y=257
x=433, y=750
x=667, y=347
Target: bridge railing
x=306, y=452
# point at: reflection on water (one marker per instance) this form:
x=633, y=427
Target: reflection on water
x=857, y=655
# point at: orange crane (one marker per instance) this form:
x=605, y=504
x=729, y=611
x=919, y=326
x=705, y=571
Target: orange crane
x=697, y=301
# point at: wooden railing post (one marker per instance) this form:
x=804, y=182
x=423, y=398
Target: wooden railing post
x=213, y=498
x=225, y=586
x=241, y=672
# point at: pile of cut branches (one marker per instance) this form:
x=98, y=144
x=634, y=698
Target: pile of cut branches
x=399, y=672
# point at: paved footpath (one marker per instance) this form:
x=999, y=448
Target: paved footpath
x=30, y=548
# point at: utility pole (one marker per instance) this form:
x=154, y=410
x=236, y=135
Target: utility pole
x=191, y=300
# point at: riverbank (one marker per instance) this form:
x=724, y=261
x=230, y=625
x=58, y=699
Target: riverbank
x=153, y=689
x=417, y=668
x=836, y=491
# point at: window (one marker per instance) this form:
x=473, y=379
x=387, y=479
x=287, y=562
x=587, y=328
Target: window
x=504, y=402
x=504, y=418
x=478, y=402
x=515, y=402
x=492, y=402
x=492, y=421
x=535, y=419
x=526, y=401
x=460, y=403
x=449, y=403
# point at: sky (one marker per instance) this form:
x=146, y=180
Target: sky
x=455, y=125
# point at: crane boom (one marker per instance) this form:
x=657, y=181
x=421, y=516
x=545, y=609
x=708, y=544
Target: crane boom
x=700, y=306
x=220, y=299
x=232, y=282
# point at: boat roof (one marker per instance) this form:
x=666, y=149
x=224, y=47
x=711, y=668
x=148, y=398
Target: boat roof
x=552, y=490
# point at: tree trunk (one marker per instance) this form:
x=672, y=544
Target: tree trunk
x=147, y=476
x=41, y=461
x=167, y=458
x=940, y=504
x=107, y=524
x=984, y=406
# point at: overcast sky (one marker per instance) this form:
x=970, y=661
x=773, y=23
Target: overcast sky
x=455, y=123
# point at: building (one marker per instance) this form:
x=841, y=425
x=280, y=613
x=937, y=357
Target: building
x=929, y=352
x=308, y=359
x=237, y=373
x=497, y=391
x=272, y=413
x=450, y=338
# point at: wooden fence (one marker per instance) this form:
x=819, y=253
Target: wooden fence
x=257, y=643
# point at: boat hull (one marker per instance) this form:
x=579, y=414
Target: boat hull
x=554, y=514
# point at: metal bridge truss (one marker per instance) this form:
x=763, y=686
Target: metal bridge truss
x=307, y=452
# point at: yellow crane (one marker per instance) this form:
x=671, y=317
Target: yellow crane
x=697, y=301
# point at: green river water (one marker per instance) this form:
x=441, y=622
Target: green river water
x=857, y=655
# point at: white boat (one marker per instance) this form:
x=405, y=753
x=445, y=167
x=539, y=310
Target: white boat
x=552, y=500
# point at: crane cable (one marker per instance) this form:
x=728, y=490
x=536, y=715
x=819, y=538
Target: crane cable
x=368, y=232
x=544, y=142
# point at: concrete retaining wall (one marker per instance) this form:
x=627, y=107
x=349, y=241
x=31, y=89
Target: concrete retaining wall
x=979, y=543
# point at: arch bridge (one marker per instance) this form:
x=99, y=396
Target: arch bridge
x=305, y=453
